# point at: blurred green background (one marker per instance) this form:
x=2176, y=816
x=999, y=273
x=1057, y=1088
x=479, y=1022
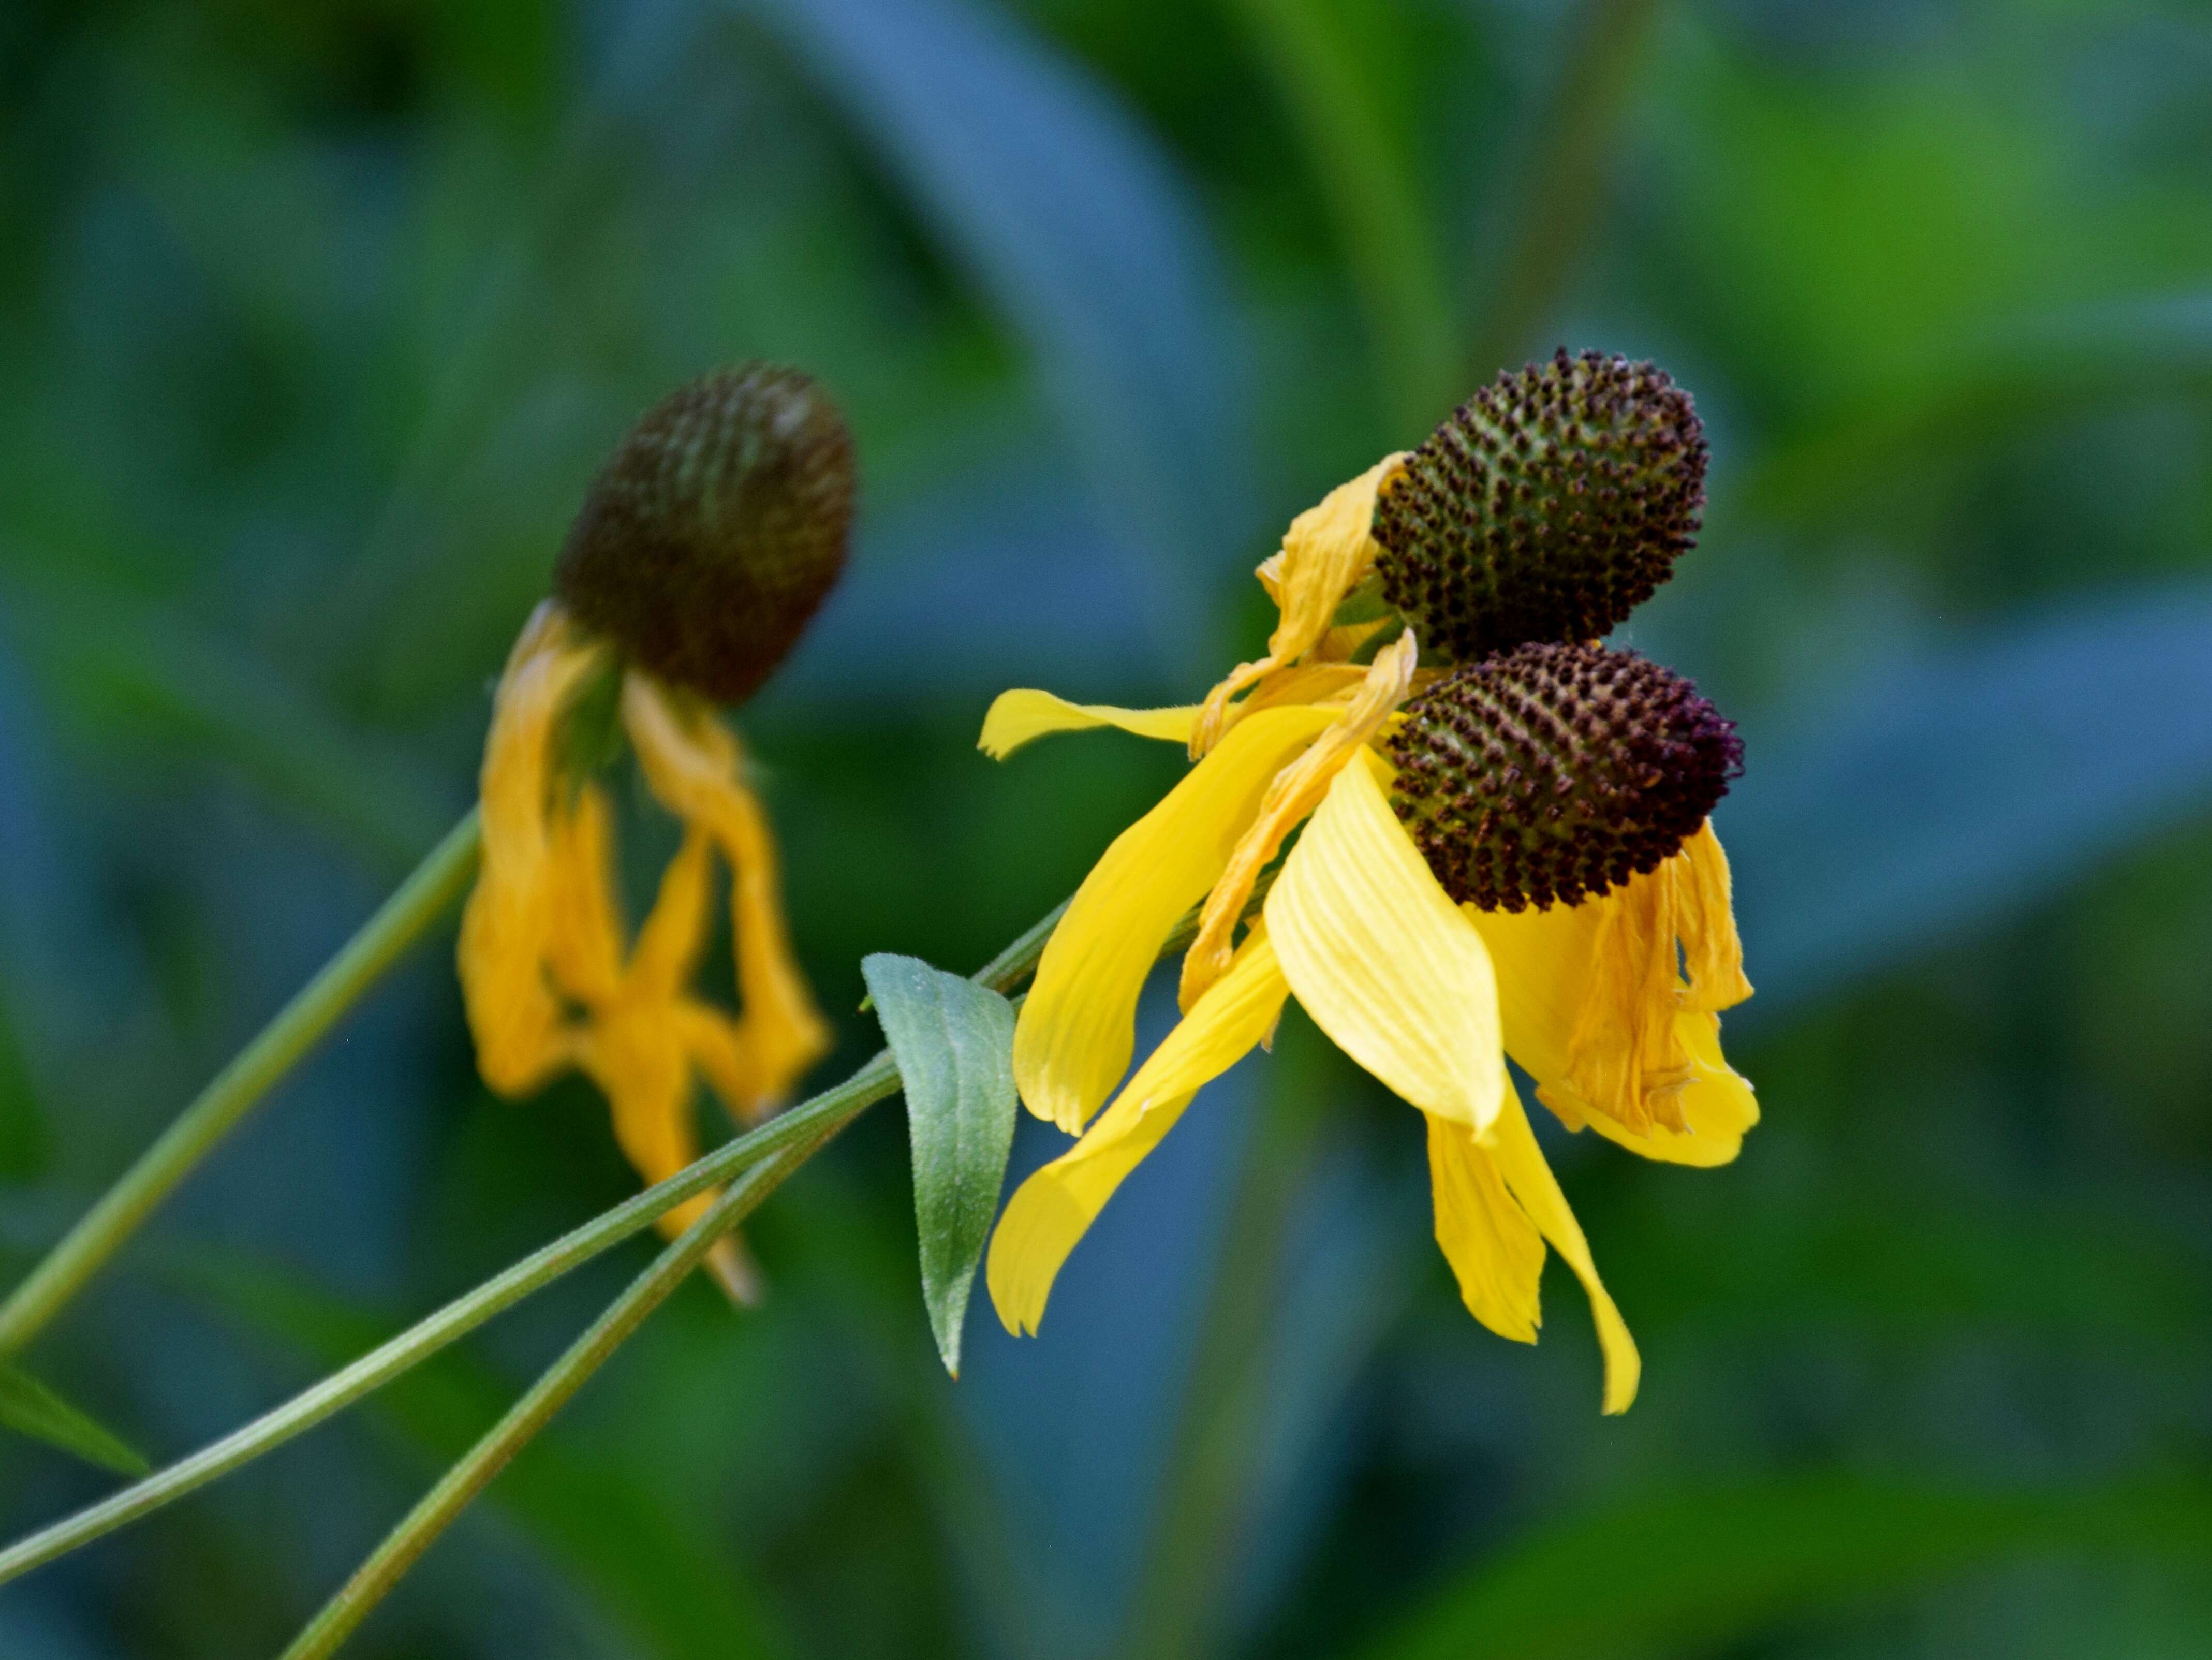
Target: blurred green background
x=317, y=318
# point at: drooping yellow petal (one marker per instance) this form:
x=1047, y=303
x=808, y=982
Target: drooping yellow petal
x=693, y=766
x=1529, y=1178
x=719, y=1051
x=1326, y=553
x=1295, y=792
x=1072, y=1041
x=1052, y=1210
x=1386, y=964
x=514, y=1015
x=1717, y=1103
x=584, y=948
x=668, y=943
x=1494, y=1250
x=1591, y=996
x=634, y=1052
x=1711, y=953
x=783, y=1030
x=1017, y=717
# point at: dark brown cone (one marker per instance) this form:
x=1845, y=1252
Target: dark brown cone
x=1546, y=506
x=1553, y=772
x=715, y=530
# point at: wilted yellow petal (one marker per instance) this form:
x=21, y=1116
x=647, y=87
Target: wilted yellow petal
x=1522, y=1162
x=1078, y=1026
x=669, y=941
x=1017, y=717
x=1052, y=1210
x=693, y=766
x=634, y=1052
x=1326, y=553
x=514, y=1016
x=720, y=1053
x=1591, y=997
x=1711, y=953
x=1296, y=791
x=1386, y=964
x=1717, y=1103
x=584, y=947
x=1494, y=1250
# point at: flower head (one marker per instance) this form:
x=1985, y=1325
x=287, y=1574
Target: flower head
x=708, y=540
x=1509, y=857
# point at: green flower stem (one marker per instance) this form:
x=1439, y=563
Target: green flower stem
x=436, y=883
x=476, y=1469
x=811, y=1121
x=825, y=1114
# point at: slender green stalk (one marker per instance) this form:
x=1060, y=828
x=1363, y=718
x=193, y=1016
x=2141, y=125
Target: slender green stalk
x=820, y=1117
x=414, y=1535
x=824, y=1115
x=490, y=1455
x=436, y=883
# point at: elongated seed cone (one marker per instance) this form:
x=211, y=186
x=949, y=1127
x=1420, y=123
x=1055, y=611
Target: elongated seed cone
x=1546, y=506
x=1553, y=772
x=715, y=530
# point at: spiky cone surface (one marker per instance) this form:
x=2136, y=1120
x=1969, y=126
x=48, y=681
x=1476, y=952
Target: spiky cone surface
x=1550, y=774
x=1548, y=507
x=716, y=529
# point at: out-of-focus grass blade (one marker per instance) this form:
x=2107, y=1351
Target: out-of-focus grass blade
x=1956, y=788
x=1553, y=198
x=1700, y=1573
x=1323, y=59
x=1069, y=218
x=2023, y=374
x=126, y=672
x=954, y=1042
x=29, y=1407
x=22, y=1126
x=651, y=1570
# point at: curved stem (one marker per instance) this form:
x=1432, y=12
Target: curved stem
x=824, y=1115
x=436, y=883
x=490, y=1455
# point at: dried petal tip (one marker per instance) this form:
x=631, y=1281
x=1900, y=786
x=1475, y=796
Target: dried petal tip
x=1548, y=507
x=716, y=529
x=1553, y=772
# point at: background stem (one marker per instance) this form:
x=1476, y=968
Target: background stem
x=1555, y=199
x=824, y=1115
x=474, y=1471
x=436, y=883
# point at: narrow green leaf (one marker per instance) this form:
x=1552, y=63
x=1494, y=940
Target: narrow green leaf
x=29, y=1407
x=1708, y=1571
x=954, y=1042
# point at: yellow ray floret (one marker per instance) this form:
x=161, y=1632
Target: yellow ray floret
x=1326, y=553
x=1596, y=1008
x=547, y=979
x=1051, y=1210
x=1387, y=965
x=1078, y=1028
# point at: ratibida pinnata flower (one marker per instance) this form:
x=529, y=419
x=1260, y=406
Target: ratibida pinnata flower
x=705, y=546
x=1503, y=847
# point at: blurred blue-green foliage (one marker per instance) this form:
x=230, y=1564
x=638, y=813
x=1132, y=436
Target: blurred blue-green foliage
x=318, y=318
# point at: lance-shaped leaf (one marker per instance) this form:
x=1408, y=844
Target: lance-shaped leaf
x=29, y=1407
x=954, y=1042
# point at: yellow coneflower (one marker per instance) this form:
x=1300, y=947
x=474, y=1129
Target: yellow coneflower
x=1507, y=856
x=705, y=546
